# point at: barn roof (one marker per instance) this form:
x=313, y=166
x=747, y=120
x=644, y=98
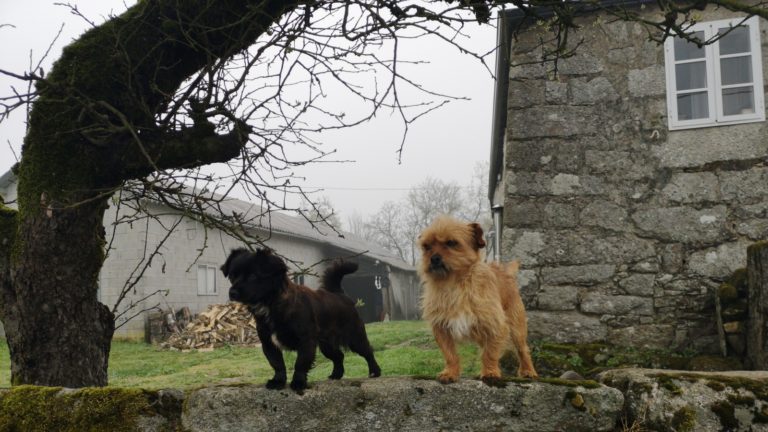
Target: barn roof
x=288, y=225
x=299, y=227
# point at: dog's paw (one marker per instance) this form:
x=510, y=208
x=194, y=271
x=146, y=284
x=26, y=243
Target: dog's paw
x=374, y=373
x=299, y=386
x=275, y=384
x=336, y=376
x=530, y=374
x=445, y=378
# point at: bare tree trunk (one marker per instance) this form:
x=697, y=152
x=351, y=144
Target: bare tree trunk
x=58, y=332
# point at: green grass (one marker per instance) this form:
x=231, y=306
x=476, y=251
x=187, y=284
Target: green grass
x=402, y=348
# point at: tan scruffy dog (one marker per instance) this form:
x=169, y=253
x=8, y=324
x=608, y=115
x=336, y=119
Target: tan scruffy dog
x=468, y=299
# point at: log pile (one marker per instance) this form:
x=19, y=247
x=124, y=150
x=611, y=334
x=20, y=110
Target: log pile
x=221, y=324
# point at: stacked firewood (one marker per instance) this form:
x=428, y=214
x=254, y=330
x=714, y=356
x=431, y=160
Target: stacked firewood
x=221, y=324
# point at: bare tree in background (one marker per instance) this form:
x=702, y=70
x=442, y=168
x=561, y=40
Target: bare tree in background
x=320, y=211
x=477, y=208
x=357, y=225
x=147, y=101
x=387, y=228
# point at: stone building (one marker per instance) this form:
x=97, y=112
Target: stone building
x=186, y=272
x=634, y=179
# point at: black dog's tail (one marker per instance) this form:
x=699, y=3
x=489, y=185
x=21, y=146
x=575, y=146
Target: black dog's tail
x=335, y=273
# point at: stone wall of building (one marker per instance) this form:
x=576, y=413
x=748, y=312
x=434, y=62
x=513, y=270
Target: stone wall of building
x=624, y=228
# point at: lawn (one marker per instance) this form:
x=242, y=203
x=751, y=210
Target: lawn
x=401, y=348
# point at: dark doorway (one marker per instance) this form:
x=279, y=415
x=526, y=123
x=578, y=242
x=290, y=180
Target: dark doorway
x=363, y=290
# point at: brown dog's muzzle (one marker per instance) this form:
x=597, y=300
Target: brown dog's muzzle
x=437, y=265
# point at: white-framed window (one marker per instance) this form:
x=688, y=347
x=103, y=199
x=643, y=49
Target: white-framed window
x=206, y=279
x=720, y=83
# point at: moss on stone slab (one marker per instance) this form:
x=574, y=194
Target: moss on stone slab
x=587, y=384
x=552, y=359
x=756, y=387
x=684, y=419
x=716, y=386
x=726, y=412
x=667, y=382
x=761, y=415
x=742, y=399
x=33, y=408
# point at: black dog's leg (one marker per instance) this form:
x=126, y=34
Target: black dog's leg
x=274, y=357
x=361, y=346
x=336, y=356
x=305, y=359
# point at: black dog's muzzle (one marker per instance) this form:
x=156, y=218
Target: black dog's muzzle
x=234, y=295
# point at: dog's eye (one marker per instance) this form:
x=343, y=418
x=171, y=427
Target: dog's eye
x=451, y=243
x=426, y=247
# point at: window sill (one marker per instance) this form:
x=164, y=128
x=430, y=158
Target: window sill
x=709, y=125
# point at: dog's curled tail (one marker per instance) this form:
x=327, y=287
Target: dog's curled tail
x=335, y=273
x=513, y=267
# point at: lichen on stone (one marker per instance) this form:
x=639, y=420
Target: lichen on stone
x=576, y=400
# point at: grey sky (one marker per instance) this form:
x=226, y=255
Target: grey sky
x=445, y=144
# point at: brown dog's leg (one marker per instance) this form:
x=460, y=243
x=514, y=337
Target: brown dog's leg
x=525, y=368
x=447, y=345
x=492, y=350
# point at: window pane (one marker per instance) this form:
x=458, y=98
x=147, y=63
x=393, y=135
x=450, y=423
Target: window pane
x=691, y=76
x=201, y=279
x=211, y=280
x=739, y=100
x=736, y=70
x=692, y=106
x=685, y=50
x=736, y=41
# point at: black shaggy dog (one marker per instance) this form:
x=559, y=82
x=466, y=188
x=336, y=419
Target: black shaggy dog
x=297, y=318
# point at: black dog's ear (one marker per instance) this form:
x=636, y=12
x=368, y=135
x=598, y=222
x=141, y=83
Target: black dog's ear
x=272, y=263
x=263, y=252
x=225, y=268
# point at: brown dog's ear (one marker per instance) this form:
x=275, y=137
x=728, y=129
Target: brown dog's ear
x=478, y=233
